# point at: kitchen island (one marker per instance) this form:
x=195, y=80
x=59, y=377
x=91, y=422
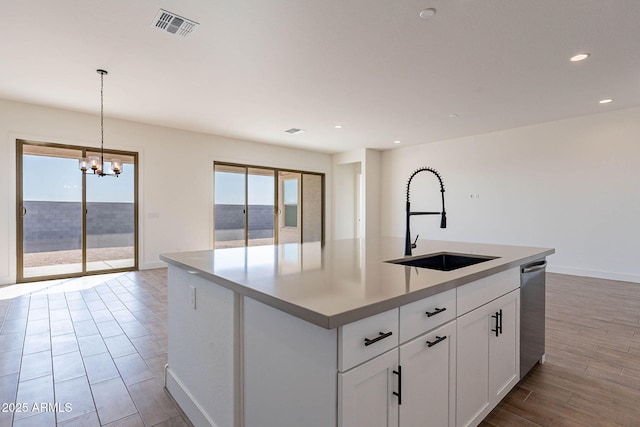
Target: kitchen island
x=333, y=335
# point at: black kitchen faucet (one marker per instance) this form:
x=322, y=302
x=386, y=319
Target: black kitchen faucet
x=408, y=245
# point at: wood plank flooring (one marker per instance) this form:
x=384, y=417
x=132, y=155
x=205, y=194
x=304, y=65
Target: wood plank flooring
x=103, y=349
x=591, y=376
x=97, y=343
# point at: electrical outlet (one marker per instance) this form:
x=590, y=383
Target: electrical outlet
x=192, y=297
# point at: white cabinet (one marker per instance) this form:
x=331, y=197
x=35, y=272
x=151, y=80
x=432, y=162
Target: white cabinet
x=428, y=379
x=421, y=316
x=412, y=387
x=366, y=393
x=504, y=361
x=452, y=375
x=367, y=338
x=487, y=357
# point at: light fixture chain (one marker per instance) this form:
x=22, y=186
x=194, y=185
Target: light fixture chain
x=102, y=122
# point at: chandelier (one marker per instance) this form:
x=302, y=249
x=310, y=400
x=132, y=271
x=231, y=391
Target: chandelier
x=95, y=163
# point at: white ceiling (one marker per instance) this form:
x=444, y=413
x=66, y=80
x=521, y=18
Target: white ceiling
x=254, y=68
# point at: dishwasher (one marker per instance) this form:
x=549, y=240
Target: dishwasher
x=532, y=309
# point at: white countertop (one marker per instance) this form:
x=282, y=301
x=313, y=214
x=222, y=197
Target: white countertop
x=346, y=280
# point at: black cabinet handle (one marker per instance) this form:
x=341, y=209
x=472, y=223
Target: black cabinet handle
x=437, y=310
x=381, y=336
x=498, y=317
x=399, y=392
x=438, y=339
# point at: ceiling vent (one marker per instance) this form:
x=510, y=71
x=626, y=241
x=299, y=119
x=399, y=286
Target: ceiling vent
x=175, y=24
x=295, y=131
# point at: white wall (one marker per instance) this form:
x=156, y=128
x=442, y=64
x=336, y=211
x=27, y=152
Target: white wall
x=175, y=181
x=346, y=200
x=371, y=176
x=571, y=185
x=356, y=193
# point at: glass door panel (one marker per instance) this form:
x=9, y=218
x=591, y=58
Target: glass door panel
x=50, y=220
x=261, y=206
x=256, y=206
x=230, y=206
x=110, y=217
x=289, y=208
x=311, y=208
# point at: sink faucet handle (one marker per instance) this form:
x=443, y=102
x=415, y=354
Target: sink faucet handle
x=414, y=244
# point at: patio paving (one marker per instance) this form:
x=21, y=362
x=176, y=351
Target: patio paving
x=63, y=262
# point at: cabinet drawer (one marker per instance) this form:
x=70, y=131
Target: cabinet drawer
x=426, y=314
x=365, y=339
x=477, y=293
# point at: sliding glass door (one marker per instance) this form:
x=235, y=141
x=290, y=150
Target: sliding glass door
x=110, y=219
x=68, y=223
x=230, y=206
x=263, y=206
x=260, y=207
x=50, y=212
x=312, y=195
x=289, y=207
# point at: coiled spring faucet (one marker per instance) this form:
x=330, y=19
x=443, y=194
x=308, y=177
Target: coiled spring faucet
x=408, y=245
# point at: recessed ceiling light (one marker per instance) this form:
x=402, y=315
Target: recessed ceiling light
x=453, y=116
x=580, y=57
x=605, y=101
x=427, y=13
x=396, y=142
x=338, y=126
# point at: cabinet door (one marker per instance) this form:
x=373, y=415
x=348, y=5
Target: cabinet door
x=428, y=379
x=504, y=368
x=365, y=393
x=472, y=385
x=488, y=361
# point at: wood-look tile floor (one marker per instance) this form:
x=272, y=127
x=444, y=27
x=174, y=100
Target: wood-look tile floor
x=591, y=376
x=96, y=344
x=103, y=349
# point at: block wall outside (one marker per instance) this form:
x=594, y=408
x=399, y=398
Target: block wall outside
x=229, y=221
x=54, y=226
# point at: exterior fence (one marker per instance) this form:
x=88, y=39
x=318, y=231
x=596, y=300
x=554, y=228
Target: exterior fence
x=229, y=222
x=55, y=226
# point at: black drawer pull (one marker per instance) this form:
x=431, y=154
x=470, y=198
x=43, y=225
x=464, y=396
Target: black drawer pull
x=381, y=336
x=433, y=313
x=399, y=392
x=498, y=317
x=438, y=339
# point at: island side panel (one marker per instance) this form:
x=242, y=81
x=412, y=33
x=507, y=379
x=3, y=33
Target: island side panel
x=290, y=369
x=201, y=349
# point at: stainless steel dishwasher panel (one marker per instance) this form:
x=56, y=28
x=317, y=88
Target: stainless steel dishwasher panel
x=532, y=312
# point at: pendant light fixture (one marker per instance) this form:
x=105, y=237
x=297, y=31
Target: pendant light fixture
x=95, y=163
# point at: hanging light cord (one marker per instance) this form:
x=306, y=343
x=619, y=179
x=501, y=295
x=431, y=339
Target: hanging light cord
x=102, y=73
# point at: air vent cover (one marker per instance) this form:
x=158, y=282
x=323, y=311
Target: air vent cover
x=174, y=24
x=294, y=131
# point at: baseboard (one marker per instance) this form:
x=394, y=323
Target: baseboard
x=186, y=401
x=609, y=275
x=152, y=265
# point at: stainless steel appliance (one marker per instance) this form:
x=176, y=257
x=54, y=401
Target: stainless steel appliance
x=532, y=304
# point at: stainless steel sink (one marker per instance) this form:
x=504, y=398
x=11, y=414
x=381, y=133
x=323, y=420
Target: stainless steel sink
x=444, y=261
